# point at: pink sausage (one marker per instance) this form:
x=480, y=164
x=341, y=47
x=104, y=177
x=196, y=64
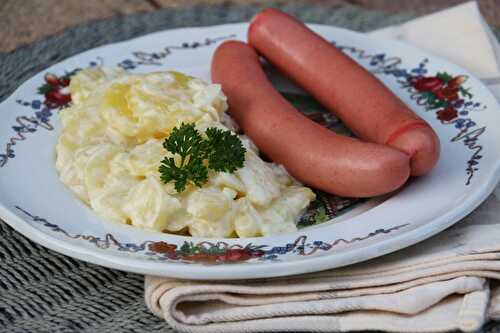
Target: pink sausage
x=358, y=98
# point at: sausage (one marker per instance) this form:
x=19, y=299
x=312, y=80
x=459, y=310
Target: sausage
x=310, y=152
x=358, y=98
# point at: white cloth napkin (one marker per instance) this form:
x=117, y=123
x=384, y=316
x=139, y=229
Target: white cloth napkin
x=445, y=283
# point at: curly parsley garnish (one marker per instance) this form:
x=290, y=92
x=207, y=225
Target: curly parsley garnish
x=220, y=151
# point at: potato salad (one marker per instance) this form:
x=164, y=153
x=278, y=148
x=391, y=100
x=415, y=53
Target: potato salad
x=111, y=147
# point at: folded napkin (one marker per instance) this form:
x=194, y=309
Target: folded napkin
x=445, y=283
x=438, y=285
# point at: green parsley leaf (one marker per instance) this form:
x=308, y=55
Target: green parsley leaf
x=184, y=141
x=226, y=153
x=221, y=151
x=197, y=172
x=169, y=171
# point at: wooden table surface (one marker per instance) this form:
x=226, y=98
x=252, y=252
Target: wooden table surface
x=25, y=21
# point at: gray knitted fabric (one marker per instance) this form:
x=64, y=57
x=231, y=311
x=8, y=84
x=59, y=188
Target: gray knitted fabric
x=43, y=291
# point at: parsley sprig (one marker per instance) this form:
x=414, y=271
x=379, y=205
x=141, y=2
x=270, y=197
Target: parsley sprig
x=220, y=151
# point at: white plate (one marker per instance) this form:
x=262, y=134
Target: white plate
x=37, y=204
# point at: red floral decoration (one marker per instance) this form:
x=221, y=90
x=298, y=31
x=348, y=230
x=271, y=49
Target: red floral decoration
x=447, y=114
x=55, y=90
x=441, y=92
x=431, y=84
x=207, y=253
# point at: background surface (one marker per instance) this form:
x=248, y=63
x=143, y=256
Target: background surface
x=25, y=21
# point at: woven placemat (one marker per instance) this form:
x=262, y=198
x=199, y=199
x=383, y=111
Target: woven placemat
x=43, y=291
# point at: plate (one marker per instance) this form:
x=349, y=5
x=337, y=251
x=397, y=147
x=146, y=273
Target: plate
x=35, y=203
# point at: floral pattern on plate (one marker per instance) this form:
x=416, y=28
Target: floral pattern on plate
x=206, y=252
